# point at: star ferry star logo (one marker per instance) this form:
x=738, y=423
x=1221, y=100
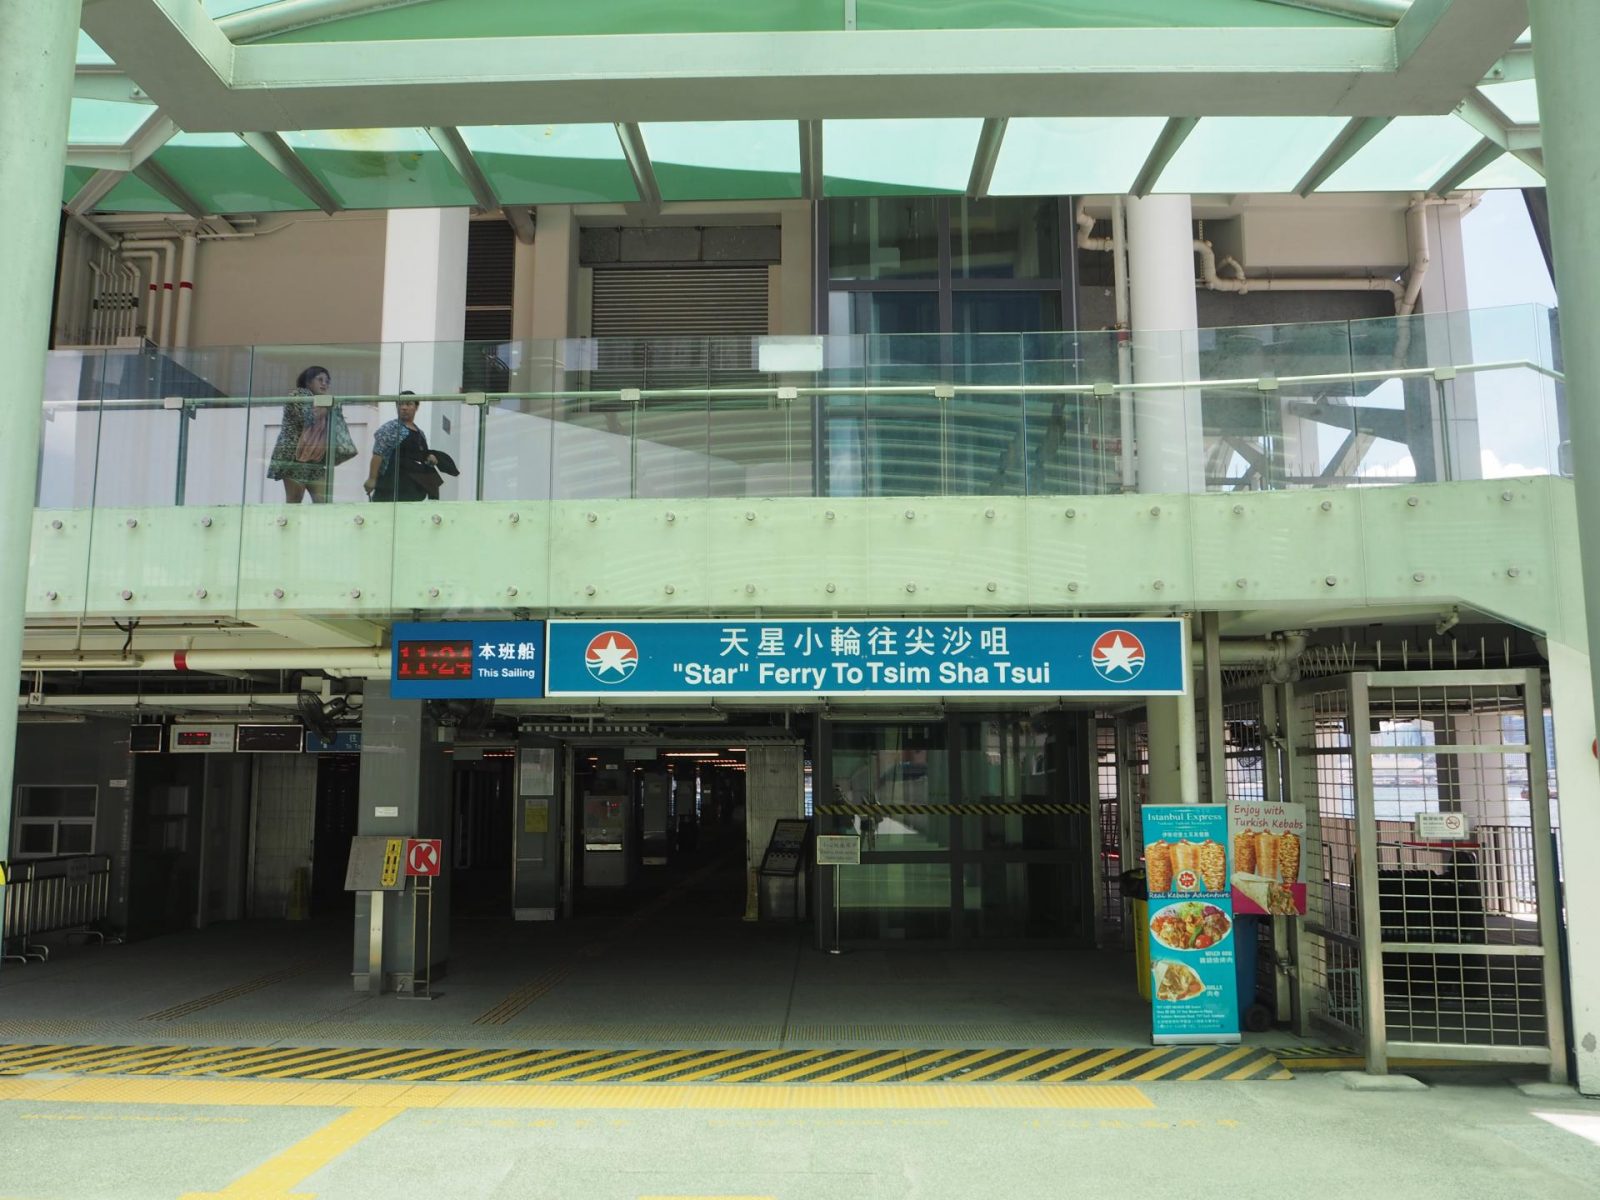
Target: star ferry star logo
x=611, y=657
x=1117, y=656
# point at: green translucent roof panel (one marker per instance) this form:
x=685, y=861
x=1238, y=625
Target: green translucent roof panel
x=381, y=168
x=1519, y=100
x=552, y=164
x=1507, y=171
x=89, y=52
x=1248, y=154
x=105, y=122
x=521, y=18
x=1410, y=154
x=226, y=176
x=1081, y=14
x=725, y=160
x=73, y=180
x=1072, y=156
x=134, y=195
x=898, y=157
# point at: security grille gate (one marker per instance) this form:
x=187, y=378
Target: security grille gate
x=1417, y=948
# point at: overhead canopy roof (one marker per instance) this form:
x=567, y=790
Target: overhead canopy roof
x=236, y=106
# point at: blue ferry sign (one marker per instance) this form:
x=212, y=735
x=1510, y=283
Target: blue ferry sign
x=927, y=657
x=467, y=660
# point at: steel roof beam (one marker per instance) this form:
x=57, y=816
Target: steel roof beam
x=520, y=218
x=285, y=16
x=171, y=49
x=639, y=166
x=990, y=139
x=95, y=190
x=158, y=129
x=811, y=171
x=281, y=158
x=1173, y=135
x=1379, y=12
x=97, y=81
x=1476, y=159
x=455, y=149
x=154, y=175
x=1455, y=43
x=1358, y=131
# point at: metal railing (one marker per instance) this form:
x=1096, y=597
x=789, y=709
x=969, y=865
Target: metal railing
x=54, y=895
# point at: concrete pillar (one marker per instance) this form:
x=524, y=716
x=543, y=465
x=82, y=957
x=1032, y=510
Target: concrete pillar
x=1572, y=707
x=796, y=275
x=555, y=272
x=774, y=783
x=1165, y=343
x=1446, y=335
x=38, y=44
x=1566, y=43
x=424, y=324
x=405, y=792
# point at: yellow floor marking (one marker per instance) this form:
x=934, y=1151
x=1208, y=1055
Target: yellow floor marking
x=571, y=1062
x=425, y=1065
x=147, y=1057
x=699, y=1056
x=305, y=1158
x=652, y=1065
x=1133, y=1064
x=905, y=1068
x=1250, y=1069
x=280, y=1068
x=822, y=1059
x=196, y=1056
x=464, y=1066
x=235, y=1058
x=717, y=1065
x=1216, y=1064
x=989, y=1069
x=893, y=1069
x=872, y=1060
x=1167, y=1068
x=569, y=1097
x=336, y=1067
x=1094, y=1060
x=384, y=1061
x=955, y=1064
x=604, y=1066
x=1041, y=1066
x=791, y=1057
x=47, y=1058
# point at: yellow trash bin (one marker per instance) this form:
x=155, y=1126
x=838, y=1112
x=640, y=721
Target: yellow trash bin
x=1141, y=944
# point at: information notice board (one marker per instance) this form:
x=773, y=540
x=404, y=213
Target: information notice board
x=1194, y=986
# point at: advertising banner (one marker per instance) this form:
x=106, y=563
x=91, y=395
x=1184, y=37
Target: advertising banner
x=929, y=657
x=467, y=660
x=1268, y=866
x=1193, y=984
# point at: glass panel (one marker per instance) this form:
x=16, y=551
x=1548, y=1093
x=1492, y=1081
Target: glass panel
x=1507, y=171
x=1248, y=154
x=882, y=157
x=894, y=901
x=1015, y=900
x=884, y=238
x=139, y=438
x=75, y=837
x=1519, y=100
x=1006, y=239
x=105, y=122
x=724, y=160
x=884, y=776
x=70, y=434
x=1410, y=153
x=49, y=800
x=225, y=175
x=36, y=837
x=887, y=313
x=214, y=385
x=381, y=168
x=1011, y=763
x=552, y=164
x=1073, y=156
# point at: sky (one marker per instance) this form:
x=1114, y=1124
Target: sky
x=1504, y=265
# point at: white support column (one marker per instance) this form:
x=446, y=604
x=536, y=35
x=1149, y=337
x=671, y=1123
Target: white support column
x=1572, y=707
x=424, y=324
x=1165, y=343
x=1447, y=327
x=38, y=43
x=555, y=271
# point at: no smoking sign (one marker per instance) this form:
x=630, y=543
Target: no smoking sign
x=423, y=856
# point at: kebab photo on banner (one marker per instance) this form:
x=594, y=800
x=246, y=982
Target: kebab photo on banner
x=1268, y=867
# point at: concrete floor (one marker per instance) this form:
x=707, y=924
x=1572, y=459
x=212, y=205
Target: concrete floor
x=1202, y=1141
x=679, y=968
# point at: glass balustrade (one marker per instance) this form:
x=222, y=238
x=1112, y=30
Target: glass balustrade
x=1426, y=398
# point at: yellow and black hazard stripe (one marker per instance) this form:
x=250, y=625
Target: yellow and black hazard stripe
x=951, y=810
x=1129, y=1064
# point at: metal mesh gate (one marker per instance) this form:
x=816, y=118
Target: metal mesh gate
x=1419, y=947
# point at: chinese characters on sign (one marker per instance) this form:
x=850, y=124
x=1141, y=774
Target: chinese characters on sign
x=1194, y=986
x=903, y=658
x=465, y=660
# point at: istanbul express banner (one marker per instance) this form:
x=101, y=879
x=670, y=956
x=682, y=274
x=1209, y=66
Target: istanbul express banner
x=1194, y=988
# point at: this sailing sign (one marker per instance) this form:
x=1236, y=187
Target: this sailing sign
x=467, y=660
x=927, y=657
